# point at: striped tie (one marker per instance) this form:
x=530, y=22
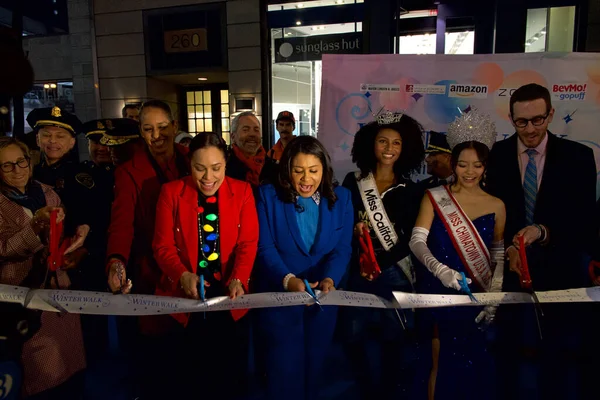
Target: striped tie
x=530, y=186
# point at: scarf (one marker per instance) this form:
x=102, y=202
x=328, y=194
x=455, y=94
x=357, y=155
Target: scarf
x=33, y=198
x=254, y=164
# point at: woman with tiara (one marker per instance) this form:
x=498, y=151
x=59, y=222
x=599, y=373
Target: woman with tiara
x=458, y=237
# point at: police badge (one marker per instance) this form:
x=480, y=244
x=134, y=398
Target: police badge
x=56, y=112
x=85, y=179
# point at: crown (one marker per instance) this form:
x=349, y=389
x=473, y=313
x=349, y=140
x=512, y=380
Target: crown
x=388, y=117
x=472, y=126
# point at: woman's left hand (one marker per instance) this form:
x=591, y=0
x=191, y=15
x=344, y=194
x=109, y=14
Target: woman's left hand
x=326, y=285
x=235, y=289
x=80, y=235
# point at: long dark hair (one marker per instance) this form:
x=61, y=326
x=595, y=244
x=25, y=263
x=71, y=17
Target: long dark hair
x=305, y=145
x=413, y=149
x=207, y=139
x=482, y=153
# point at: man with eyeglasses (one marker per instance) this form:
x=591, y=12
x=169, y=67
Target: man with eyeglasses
x=548, y=186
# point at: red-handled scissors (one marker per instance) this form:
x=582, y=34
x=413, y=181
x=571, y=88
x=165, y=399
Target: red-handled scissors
x=527, y=284
x=368, y=262
x=56, y=249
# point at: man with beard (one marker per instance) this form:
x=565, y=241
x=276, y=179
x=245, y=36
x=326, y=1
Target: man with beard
x=247, y=156
x=285, y=125
x=55, y=131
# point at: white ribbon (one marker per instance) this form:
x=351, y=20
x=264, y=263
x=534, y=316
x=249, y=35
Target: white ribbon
x=82, y=302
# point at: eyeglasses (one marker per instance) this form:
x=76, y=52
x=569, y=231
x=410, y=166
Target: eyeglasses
x=535, y=121
x=10, y=166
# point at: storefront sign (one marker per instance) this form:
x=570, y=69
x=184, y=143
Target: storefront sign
x=185, y=41
x=311, y=48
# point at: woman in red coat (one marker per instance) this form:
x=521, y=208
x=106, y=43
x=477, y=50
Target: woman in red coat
x=137, y=186
x=207, y=229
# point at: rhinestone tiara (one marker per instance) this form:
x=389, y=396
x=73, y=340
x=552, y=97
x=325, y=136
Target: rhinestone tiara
x=388, y=117
x=472, y=126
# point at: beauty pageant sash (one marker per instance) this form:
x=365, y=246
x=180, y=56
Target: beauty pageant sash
x=380, y=222
x=465, y=238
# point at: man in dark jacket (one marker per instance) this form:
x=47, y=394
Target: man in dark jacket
x=548, y=186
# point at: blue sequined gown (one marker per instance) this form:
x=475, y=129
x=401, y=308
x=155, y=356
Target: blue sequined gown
x=466, y=367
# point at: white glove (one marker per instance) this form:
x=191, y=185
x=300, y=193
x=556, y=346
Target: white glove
x=418, y=245
x=487, y=315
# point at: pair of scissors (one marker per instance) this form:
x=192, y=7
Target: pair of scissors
x=56, y=250
x=464, y=286
x=527, y=285
x=312, y=294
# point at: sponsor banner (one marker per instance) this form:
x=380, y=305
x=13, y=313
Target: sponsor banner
x=475, y=91
x=435, y=89
x=425, y=89
x=570, y=91
x=374, y=87
x=82, y=302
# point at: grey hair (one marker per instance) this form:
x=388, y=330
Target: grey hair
x=235, y=124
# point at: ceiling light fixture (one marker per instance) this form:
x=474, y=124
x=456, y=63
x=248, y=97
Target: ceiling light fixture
x=298, y=23
x=202, y=79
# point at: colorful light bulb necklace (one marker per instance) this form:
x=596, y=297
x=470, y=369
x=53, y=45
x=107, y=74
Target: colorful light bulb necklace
x=208, y=231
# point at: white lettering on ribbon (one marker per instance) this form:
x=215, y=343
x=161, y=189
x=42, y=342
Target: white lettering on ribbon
x=465, y=238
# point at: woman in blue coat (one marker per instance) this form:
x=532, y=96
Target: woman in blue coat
x=305, y=234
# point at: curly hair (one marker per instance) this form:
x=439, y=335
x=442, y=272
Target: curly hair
x=305, y=145
x=413, y=149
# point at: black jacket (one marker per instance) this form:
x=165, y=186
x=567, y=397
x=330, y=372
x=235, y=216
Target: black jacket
x=565, y=205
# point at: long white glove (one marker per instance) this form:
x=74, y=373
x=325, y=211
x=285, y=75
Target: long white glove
x=487, y=315
x=418, y=245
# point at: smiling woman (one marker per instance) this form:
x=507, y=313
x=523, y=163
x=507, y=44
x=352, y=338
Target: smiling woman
x=312, y=248
x=53, y=354
x=207, y=232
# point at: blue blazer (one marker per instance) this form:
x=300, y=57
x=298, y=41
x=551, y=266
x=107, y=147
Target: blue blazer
x=281, y=249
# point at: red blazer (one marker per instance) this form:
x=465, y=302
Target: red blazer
x=176, y=235
x=132, y=219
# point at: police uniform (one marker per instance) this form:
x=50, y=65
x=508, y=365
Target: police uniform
x=55, y=175
x=437, y=144
x=88, y=198
x=122, y=135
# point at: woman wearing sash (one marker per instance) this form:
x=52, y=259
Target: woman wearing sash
x=459, y=234
x=386, y=151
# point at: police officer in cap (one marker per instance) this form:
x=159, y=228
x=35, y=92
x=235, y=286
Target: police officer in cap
x=438, y=155
x=55, y=131
x=123, y=139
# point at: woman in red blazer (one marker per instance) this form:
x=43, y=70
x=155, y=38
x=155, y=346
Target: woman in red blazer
x=207, y=226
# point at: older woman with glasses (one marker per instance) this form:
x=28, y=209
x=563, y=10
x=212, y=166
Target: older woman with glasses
x=54, y=354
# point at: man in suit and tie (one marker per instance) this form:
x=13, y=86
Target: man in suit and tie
x=548, y=186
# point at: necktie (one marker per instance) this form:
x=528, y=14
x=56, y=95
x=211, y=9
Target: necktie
x=530, y=186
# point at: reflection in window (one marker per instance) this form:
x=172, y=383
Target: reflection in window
x=456, y=43
x=50, y=94
x=550, y=29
